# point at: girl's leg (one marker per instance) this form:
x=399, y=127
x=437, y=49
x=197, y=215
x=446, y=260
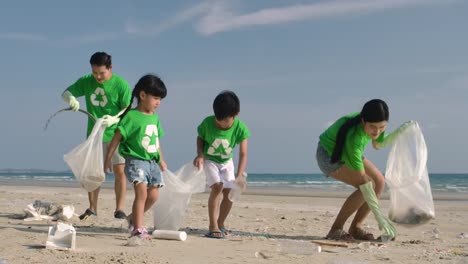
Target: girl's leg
x=151, y=198
x=139, y=204
x=213, y=206
x=378, y=181
x=224, y=209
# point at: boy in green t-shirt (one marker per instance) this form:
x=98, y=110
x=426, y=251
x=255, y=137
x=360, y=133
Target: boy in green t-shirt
x=106, y=94
x=138, y=134
x=217, y=137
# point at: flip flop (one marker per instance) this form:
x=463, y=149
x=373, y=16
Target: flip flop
x=216, y=235
x=226, y=232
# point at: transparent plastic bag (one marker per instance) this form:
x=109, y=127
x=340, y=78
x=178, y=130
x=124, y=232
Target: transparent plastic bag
x=86, y=160
x=174, y=197
x=407, y=177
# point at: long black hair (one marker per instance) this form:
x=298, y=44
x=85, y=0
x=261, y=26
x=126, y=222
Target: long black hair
x=375, y=110
x=150, y=84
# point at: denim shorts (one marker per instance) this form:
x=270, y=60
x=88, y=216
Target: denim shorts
x=324, y=161
x=143, y=171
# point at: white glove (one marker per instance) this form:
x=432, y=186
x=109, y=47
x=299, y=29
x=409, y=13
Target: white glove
x=390, y=138
x=71, y=100
x=109, y=120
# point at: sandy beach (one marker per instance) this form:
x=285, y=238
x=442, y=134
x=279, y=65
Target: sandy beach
x=268, y=227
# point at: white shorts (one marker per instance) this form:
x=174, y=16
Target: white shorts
x=116, y=158
x=216, y=172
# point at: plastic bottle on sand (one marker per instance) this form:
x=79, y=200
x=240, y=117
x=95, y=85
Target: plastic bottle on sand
x=236, y=191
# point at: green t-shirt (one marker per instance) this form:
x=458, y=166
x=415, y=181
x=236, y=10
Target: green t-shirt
x=140, y=135
x=107, y=98
x=355, y=143
x=219, y=144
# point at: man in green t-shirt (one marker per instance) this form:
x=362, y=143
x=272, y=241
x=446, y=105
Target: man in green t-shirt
x=217, y=137
x=106, y=94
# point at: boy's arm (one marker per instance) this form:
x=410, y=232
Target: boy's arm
x=162, y=163
x=198, y=161
x=110, y=151
x=243, y=146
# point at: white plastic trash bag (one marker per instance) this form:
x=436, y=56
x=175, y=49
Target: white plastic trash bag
x=86, y=160
x=169, y=210
x=407, y=177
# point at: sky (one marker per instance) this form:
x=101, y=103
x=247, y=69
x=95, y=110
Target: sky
x=297, y=66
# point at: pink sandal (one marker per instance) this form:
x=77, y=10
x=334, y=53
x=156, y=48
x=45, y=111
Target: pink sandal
x=141, y=233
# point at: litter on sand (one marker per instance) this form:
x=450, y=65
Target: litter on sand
x=61, y=236
x=41, y=210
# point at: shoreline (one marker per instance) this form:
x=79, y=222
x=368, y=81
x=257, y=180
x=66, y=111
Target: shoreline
x=256, y=191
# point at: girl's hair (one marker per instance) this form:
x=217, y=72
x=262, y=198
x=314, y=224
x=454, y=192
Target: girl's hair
x=375, y=110
x=150, y=84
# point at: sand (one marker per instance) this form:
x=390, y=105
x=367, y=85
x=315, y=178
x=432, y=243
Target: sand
x=268, y=227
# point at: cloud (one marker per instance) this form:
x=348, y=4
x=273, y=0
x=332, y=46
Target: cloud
x=22, y=36
x=221, y=19
x=180, y=18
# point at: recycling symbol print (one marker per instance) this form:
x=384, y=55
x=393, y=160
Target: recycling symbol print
x=98, y=98
x=220, y=147
x=150, y=140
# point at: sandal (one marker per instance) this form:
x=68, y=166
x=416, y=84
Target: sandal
x=119, y=214
x=361, y=234
x=215, y=234
x=339, y=234
x=86, y=214
x=226, y=232
x=141, y=233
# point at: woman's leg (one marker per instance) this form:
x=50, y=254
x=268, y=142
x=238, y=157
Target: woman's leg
x=378, y=181
x=354, y=201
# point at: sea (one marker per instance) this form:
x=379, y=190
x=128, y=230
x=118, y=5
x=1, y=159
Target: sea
x=448, y=183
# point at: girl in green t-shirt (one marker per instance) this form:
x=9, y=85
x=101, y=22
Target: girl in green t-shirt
x=340, y=155
x=138, y=134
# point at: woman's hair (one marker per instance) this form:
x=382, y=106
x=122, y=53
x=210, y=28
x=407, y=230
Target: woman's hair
x=150, y=84
x=226, y=104
x=375, y=110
